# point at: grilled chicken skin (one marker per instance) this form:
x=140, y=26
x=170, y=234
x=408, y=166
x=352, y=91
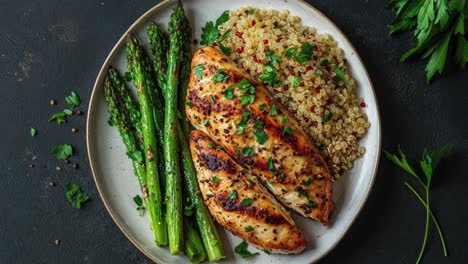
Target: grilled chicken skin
x=239, y=114
x=239, y=202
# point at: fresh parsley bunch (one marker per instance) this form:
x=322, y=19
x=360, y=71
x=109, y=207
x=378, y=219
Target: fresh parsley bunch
x=436, y=23
x=428, y=165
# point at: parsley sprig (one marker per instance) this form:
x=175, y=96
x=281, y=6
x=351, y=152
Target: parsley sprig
x=435, y=23
x=428, y=165
x=211, y=33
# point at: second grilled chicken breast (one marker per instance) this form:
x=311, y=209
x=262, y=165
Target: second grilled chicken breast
x=240, y=115
x=239, y=202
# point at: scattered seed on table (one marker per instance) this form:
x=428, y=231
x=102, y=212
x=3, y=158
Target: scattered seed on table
x=52, y=184
x=57, y=242
x=67, y=161
x=74, y=130
x=78, y=112
x=34, y=157
x=75, y=166
x=58, y=168
x=52, y=101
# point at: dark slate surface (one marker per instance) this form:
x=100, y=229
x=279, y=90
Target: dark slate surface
x=50, y=47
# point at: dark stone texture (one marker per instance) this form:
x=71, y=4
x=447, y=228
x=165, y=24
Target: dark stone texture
x=50, y=47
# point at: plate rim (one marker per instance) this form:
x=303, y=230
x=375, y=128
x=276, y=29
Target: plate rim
x=102, y=72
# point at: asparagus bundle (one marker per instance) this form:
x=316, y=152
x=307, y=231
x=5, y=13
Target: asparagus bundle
x=142, y=80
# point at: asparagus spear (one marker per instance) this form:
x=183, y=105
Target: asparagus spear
x=118, y=119
x=129, y=101
x=159, y=44
x=185, y=72
x=173, y=181
x=193, y=244
x=137, y=65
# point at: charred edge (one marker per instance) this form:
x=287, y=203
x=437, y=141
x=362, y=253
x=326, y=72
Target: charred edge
x=216, y=163
x=259, y=214
x=201, y=104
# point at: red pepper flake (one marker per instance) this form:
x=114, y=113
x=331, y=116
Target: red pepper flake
x=305, y=118
x=263, y=26
x=302, y=84
x=266, y=49
x=292, y=73
x=279, y=39
x=254, y=22
x=275, y=24
x=315, y=47
x=317, y=90
x=312, y=109
x=309, y=68
x=265, y=41
x=257, y=60
x=329, y=69
x=239, y=34
x=286, y=88
x=240, y=50
x=363, y=104
x=314, y=123
x=235, y=25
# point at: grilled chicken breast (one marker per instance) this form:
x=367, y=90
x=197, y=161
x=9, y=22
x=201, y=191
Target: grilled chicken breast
x=239, y=202
x=240, y=115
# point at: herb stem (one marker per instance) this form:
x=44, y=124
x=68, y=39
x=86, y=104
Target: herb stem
x=434, y=219
x=426, y=232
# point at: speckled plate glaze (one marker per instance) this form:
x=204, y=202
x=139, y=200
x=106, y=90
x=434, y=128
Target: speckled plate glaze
x=112, y=169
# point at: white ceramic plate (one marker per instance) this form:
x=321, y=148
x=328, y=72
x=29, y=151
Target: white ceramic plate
x=113, y=173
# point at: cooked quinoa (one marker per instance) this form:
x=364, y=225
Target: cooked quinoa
x=327, y=108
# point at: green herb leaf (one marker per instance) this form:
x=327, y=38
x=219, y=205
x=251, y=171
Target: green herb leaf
x=247, y=152
x=205, y=122
x=287, y=130
x=209, y=34
x=138, y=201
x=262, y=107
x=61, y=117
x=247, y=99
x=189, y=104
x=244, y=119
x=212, y=100
x=260, y=136
x=33, y=132
x=306, y=53
x=63, y=152
x=304, y=193
x=220, y=76
x=401, y=162
x=270, y=55
x=73, y=100
x=224, y=49
x=229, y=92
x=211, y=145
x=214, y=179
x=224, y=36
x=436, y=63
x=271, y=166
x=273, y=111
x=268, y=252
x=232, y=195
x=68, y=112
x=258, y=122
x=75, y=195
x=248, y=229
x=340, y=76
x=295, y=81
x=251, y=11
x=247, y=201
x=247, y=91
x=325, y=63
x=284, y=119
x=269, y=76
x=308, y=182
x=136, y=156
x=223, y=18
x=291, y=52
x=241, y=249
x=198, y=71
x=327, y=117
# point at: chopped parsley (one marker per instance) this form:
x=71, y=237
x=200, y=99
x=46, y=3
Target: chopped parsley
x=321, y=146
x=304, y=193
x=229, y=92
x=247, y=152
x=271, y=182
x=224, y=49
x=308, y=182
x=205, y=122
x=325, y=63
x=232, y=195
x=209, y=34
x=251, y=11
x=244, y=119
x=212, y=100
x=262, y=107
x=63, y=152
x=271, y=166
x=268, y=252
x=189, y=103
x=214, y=179
x=247, y=201
x=211, y=145
x=247, y=91
x=269, y=76
x=223, y=18
x=273, y=111
x=260, y=136
x=73, y=100
x=287, y=130
x=306, y=53
x=279, y=26
x=327, y=117
x=258, y=122
x=249, y=182
x=291, y=52
x=33, y=131
x=75, y=195
x=295, y=81
x=248, y=229
x=340, y=77
x=139, y=203
x=240, y=130
x=242, y=250
x=135, y=155
x=284, y=119
x=270, y=55
x=198, y=70
x=61, y=117
x=220, y=76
